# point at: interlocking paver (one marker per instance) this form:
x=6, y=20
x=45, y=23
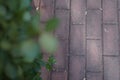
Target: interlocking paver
x=62, y=34
x=36, y=3
x=61, y=55
x=110, y=40
x=78, y=9
x=77, y=40
x=93, y=4
x=111, y=68
x=118, y=4
x=109, y=11
x=94, y=24
x=77, y=68
x=45, y=74
x=46, y=9
x=94, y=76
x=63, y=4
x=119, y=19
x=94, y=55
x=63, y=28
x=59, y=76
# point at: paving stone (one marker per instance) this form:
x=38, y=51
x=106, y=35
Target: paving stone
x=36, y=3
x=78, y=9
x=94, y=55
x=45, y=74
x=46, y=10
x=77, y=40
x=77, y=68
x=94, y=24
x=59, y=75
x=62, y=34
x=94, y=76
x=61, y=55
x=109, y=11
x=63, y=4
x=63, y=28
x=118, y=4
x=110, y=40
x=111, y=68
x=93, y=4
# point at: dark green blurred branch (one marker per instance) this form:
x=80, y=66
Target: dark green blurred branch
x=22, y=41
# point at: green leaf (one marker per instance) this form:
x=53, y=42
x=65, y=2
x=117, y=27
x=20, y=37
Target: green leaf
x=11, y=71
x=51, y=60
x=30, y=50
x=5, y=45
x=51, y=24
x=24, y=4
x=48, y=42
x=26, y=16
x=8, y=16
x=49, y=66
x=2, y=61
x=12, y=7
x=2, y=11
x=20, y=71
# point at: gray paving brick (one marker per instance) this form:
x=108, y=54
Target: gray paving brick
x=62, y=33
x=118, y=4
x=63, y=28
x=78, y=8
x=94, y=55
x=63, y=4
x=111, y=68
x=46, y=9
x=61, y=55
x=110, y=11
x=36, y=3
x=59, y=76
x=94, y=76
x=77, y=41
x=77, y=68
x=111, y=43
x=93, y=4
x=45, y=74
x=94, y=24
x=119, y=18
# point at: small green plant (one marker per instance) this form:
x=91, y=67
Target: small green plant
x=22, y=41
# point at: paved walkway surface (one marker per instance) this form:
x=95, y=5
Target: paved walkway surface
x=89, y=38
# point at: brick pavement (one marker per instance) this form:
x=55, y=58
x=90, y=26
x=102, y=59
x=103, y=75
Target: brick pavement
x=89, y=39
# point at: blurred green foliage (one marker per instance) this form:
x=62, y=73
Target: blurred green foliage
x=22, y=41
